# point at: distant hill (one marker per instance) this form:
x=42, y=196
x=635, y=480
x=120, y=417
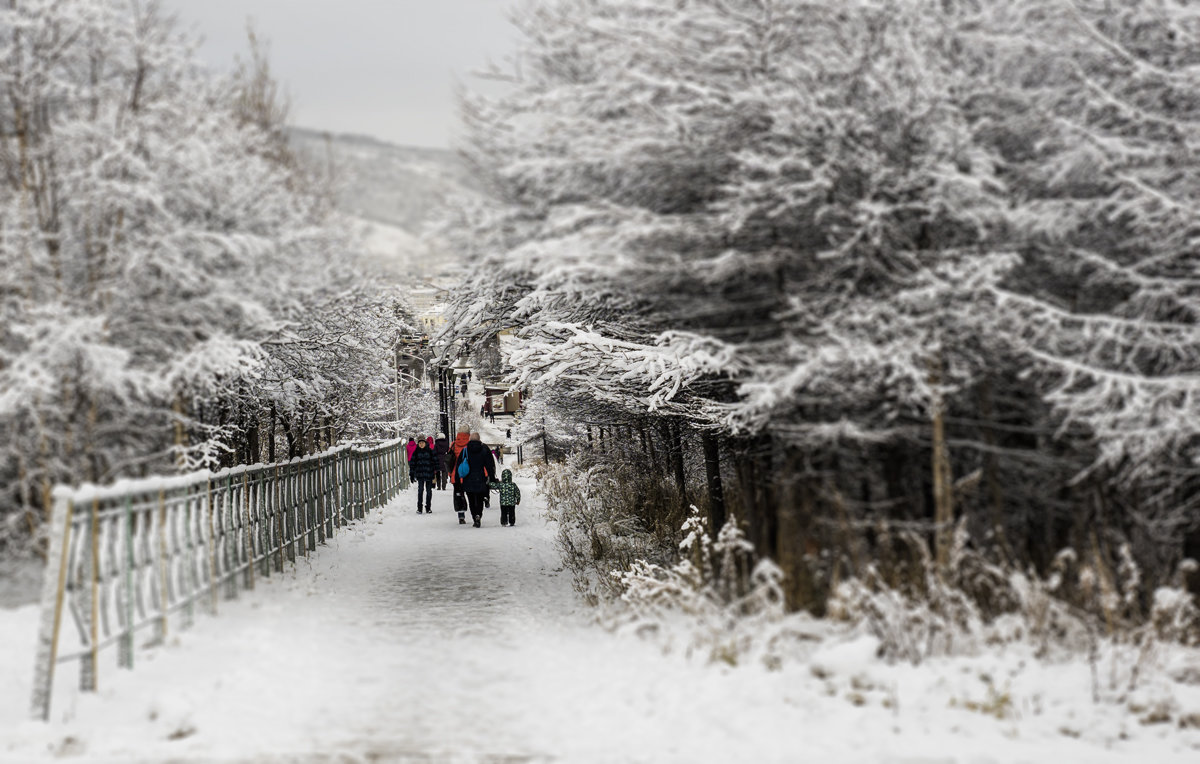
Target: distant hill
x=399, y=186
x=393, y=192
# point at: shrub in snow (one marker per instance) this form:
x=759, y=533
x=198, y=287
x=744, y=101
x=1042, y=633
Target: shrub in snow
x=597, y=534
x=727, y=605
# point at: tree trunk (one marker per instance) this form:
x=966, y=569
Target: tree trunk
x=180, y=443
x=712, y=473
x=271, y=435
x=253, y=447
x=991, y=474
x=796, y=546
x=291, y=437
x=943, y=499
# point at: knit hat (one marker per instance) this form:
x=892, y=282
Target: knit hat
x=441, y=435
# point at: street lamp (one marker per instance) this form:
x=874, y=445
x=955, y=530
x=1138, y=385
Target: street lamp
x=410, y=376
x=424, y=369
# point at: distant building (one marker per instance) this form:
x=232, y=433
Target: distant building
x=429, y=307
x=501, y=401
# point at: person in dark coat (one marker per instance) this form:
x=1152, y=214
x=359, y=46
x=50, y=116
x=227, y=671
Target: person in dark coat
x=423, y=466
x=440, y=447
x=481, y=473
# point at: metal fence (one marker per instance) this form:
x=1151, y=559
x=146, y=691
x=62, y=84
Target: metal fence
x=141, y=555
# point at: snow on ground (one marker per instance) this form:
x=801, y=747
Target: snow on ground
x=412, y=638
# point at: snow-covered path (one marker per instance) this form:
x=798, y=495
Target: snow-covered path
x=411, y=638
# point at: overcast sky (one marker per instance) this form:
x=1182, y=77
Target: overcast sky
x=378, y=67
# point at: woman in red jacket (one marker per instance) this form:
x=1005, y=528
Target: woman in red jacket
x=460, y=498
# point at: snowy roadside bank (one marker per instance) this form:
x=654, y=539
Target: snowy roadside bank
x=412, y=638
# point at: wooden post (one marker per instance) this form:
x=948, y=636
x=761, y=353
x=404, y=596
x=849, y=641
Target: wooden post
x=53, y=591
x=87, y=667
x=943, y=498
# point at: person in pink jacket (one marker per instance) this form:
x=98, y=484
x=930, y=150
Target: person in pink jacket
x=411, y=446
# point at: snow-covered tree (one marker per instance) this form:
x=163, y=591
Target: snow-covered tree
x=844, y=234
x=167, y=269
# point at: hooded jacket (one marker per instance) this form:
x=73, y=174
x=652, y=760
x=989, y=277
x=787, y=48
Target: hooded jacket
x=482, y=468
x=411, y=446
x=460, y=442
x=510, y=494
x=424, y=464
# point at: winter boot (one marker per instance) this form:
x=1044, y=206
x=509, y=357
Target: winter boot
x=461, y=520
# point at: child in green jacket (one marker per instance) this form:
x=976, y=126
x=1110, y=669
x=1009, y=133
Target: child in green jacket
x=510, y=497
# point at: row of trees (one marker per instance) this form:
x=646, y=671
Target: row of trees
x=175, y=288
x=867, y=265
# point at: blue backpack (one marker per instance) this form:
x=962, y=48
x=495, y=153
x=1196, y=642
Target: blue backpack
x=464, y=468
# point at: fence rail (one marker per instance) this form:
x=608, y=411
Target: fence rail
x=138, y=554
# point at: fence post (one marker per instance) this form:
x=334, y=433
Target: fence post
x=354, y=485
x=212, y=546
x=125, y=646
x=263, y=521
x=289, y=509
x=362, y=485
x=249, y=533
x=163, y=574
x=229, y=538
x=187, y=577
x=322, y=531
x=91, y=601
x=277, y=521
x=53, y=584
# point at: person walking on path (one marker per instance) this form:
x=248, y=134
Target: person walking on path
x=480, y=474
x=440, y=447
x=460, y=498
x=411, y=446
x=498, y=455
x=424, y=468
x=510, y=497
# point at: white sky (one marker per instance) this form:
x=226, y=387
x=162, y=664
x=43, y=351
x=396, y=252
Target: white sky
x=385, y=68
